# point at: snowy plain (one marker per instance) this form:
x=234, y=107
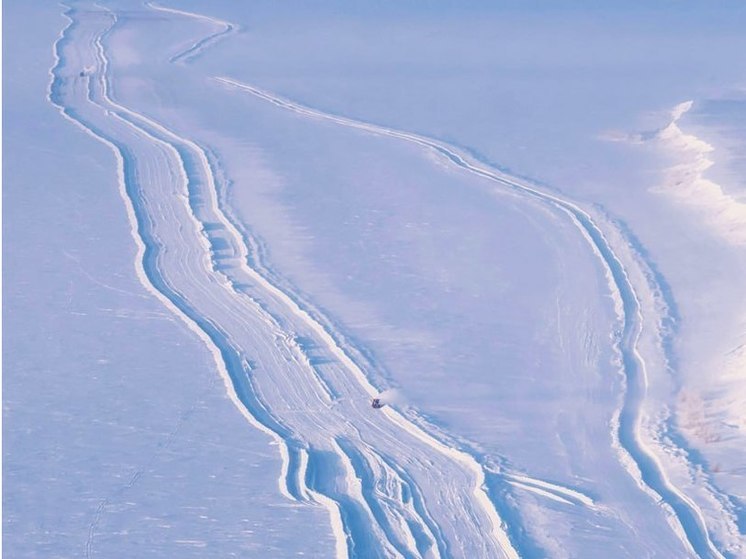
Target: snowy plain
x=228, y=226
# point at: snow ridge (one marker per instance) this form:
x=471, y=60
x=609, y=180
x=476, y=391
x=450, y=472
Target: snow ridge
x=194, y=261
x=635, y=453
x=189, y=54
x=686, y=182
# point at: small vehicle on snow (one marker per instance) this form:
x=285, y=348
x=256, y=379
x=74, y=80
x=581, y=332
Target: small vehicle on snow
x=377, y=403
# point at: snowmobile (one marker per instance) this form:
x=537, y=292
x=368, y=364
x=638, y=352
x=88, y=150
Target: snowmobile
x=377, y=404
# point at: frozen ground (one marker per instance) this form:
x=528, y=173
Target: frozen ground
x=228, y=227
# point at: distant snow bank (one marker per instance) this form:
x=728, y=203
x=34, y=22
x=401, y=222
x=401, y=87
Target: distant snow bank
x=686, y=182
x=721, y=414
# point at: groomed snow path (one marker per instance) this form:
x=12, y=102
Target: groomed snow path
x=391, y=490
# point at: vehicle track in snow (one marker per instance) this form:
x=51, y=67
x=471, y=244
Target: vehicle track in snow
x=391, y=489
x=636, y=455
x=357, y=511
x=224, y=29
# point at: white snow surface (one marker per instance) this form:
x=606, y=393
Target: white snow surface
x=249, y=221
x=686, y=181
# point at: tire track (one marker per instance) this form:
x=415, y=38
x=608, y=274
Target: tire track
x=201, y=45
x=169, y=192
x=637, y=457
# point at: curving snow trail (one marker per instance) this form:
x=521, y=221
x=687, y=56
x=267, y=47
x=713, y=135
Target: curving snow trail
x=391, y=489
x=642, y=463
x=224, y=28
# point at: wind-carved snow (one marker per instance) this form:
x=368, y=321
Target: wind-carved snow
x=391, y=489
x=686, y=181
x=688, y=429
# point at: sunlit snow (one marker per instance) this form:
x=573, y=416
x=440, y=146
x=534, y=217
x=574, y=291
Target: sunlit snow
x=517, y=230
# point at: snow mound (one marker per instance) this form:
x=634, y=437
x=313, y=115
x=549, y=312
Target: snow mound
x=686, y=180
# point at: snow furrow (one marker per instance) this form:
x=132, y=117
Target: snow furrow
x=568, y=495
x=60, y=80
x=198, y=47
x=169, y=190
x=385, y=493
x=635, y=453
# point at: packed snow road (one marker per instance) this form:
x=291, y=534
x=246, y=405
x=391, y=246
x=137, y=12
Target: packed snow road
x=391, y=489
x=634, y=450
